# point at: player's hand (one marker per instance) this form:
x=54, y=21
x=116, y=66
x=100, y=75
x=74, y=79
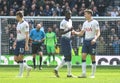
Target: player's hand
x=39, y=41
x=35, y=40
x=93, y=41
x=73, y=32
x=14, y=45
x=26, y=47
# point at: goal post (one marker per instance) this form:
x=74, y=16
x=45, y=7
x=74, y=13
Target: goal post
x=110, y=28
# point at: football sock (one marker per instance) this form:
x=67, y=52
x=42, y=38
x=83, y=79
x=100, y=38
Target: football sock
x=69, y=66
x=83, y=66
x=34, y=62
x=93, y=67
x=61, y=64
x=40, y=61
x=21, y=68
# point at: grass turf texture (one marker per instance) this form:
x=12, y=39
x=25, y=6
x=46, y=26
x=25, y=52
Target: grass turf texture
x=103, y=75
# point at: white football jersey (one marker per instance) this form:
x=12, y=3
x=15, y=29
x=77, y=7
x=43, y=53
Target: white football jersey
x=66, y=25
x=21, y=29
x=90, y=28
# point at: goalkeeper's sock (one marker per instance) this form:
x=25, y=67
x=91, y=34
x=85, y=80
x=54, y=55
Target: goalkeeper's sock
x=53, y=57
x=93, y=67
x=83, y=66
x=21, y=68
x=61, y=64
x=49, y=56
x=69, y=66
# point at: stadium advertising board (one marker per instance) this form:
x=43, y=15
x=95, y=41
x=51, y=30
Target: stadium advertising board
x=76, y=60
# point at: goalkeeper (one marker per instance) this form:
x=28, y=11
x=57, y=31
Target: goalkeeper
x=50, y=42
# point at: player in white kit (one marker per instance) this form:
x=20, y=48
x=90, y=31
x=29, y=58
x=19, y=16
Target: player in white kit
x=92, y=32
x=21, y=43
x=65, y=31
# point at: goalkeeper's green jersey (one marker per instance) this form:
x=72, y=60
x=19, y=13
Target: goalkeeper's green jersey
x=50, y=39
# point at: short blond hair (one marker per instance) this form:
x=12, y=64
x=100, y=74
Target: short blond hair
x=20, y=13
x=89, y=11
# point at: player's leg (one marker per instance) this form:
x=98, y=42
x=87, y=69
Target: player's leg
x=18, y=60
x=49, y=53
x=63, y=61
x=40, y=60
x=93, y=52
x=84, y=54
x=22, y=63
x=83, y=75
x=68, y=57
x=34, y=61
x=53, y=52
x=40, y=55
x=93, y=66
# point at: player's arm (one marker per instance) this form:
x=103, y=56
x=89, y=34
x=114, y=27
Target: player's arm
x=97, y=34
x=64, y=32
x=62, y=28
x=14, y=44
x=81, y=33
x=27, y=39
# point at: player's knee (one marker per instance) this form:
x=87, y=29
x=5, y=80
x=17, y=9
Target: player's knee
x=34, y=55
x=93, y=62
x=67, y=58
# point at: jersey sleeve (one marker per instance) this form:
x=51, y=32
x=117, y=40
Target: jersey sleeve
x=97, y=25
x=26, y=27
x=62, y=25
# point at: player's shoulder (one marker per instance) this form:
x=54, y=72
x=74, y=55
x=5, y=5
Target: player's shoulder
x=95, y=21
x=25, y=22
x=63, y=21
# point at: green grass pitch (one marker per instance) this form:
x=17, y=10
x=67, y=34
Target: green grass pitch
x=103, y=75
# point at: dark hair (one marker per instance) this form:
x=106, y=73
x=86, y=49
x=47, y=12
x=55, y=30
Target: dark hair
x=19, y=13
x=67, y=12
x=89, y=11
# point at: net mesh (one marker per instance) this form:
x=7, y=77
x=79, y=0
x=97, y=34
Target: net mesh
x=107, y=44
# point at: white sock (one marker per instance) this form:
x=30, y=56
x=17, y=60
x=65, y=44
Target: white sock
x=93, y=69
x=83, y=67
x=61, y=64
x=69, y=66
x=25, y=65
x=21, y=68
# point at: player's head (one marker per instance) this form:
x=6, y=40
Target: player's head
x=88, y=13
x=49, y=29
x=68, y=14
x=19, y=15
x=38, y=27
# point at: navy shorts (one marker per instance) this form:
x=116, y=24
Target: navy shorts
x=20, y=48
x=66, y=48
x=36, y=48
x=88, y=48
